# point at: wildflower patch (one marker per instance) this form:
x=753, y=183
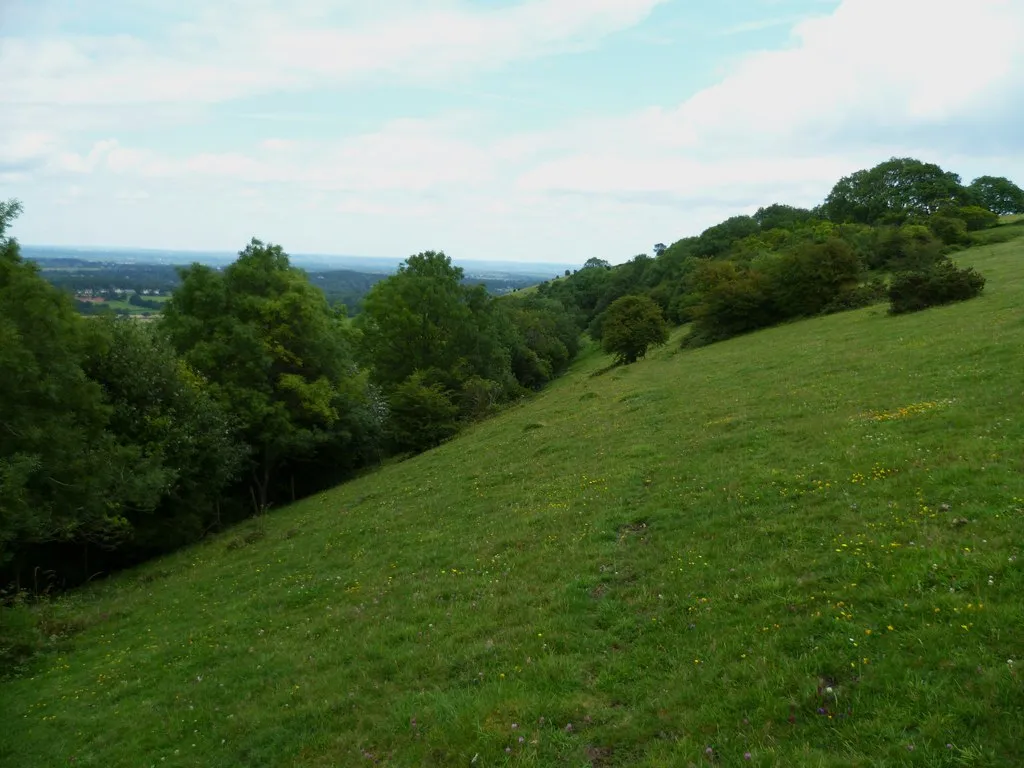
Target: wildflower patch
x=904, y=412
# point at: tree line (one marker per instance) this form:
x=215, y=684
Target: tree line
x=122, y=440
x=882, y=233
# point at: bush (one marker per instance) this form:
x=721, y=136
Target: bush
x=977, y=218
x=811, y=276
x=857, y=296
x=733, y=306
x=942, y=283
x=911, y=247
x=950, y=230
x=479, y=397
x=422, y=415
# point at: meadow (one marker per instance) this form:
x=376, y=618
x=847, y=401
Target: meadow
x=800, y=547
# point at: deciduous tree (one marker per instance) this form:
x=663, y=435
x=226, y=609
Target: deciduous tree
x=631, y=326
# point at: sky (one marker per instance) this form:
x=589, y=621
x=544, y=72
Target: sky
x=529, y=130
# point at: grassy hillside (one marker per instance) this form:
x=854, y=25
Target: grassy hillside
x=803, y=545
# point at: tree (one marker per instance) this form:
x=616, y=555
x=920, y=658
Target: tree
x=542, y=337
x=892, y=191
x=633, y=324
x=63, y=476
x=595, y=263
x=416, y=320
x=185, y=439
x=277, y=358
x=715, y=241
x=423, y=322
x=659, y=248
x=997, y=194
x=779, y=216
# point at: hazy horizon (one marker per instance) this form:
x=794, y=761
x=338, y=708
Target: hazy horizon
x=344, y=261
x=521, y=130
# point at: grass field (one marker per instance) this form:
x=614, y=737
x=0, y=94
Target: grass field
x=126, y=306
x=801, y=547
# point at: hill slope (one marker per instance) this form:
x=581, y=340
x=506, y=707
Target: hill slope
x=803, y=544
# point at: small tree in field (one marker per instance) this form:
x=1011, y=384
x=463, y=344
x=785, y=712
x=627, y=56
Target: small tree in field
x=631, y=326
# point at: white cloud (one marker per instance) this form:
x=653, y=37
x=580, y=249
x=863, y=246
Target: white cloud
x=231, y=49
x=872, y=78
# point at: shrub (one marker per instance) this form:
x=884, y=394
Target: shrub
x=732, y=307
x=910, y=247
x=479, y=397
x=950, y=230
x=976, y=217
x=941, y=283
x=857, y=296
x=422, y=415
x=811, y=276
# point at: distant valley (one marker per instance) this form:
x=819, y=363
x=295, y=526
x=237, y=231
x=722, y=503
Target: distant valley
x=138, y=281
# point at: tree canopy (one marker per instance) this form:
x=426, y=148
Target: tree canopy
x=277, y=357
x=891, y=191
x=631, y=326
x=997, y=194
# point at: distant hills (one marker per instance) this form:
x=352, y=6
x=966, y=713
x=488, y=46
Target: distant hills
x=117, y=273
x=473, y=268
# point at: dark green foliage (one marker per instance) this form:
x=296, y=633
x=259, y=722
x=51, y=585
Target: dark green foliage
x=811, y=276
x=463, y=347
x=997, y=194
x=732, y=305
x=277, y=358
x=187, y=449
x=976, y=217
x=137, y=301
x=856, y=296
x=913, y=246
x=422, y=414
x=949, y=229
x=109, y=443
x=542, y=338
x=423, y=318
x=121, y=439
x=631, y=326
x=779, y=216
x=63, y=477
x=715, y=241
x=892, y=191
x=941, y=283
x=810, y=279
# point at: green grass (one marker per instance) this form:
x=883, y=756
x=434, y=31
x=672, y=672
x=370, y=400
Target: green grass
x=125, y=305
x=698, y=551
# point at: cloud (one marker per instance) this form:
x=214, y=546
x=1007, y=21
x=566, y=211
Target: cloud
x=871, y=79
x=229, y=49
x=405, y=155
x=937, y=79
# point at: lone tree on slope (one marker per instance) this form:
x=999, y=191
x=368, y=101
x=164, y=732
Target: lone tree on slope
x=631, y=326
